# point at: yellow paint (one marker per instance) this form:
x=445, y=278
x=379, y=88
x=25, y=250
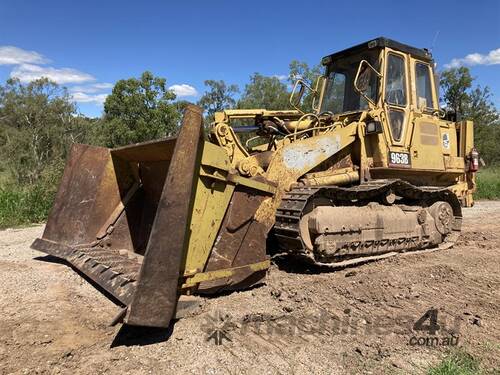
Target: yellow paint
x=211, y=201
x=193, y=280
x=215, y=186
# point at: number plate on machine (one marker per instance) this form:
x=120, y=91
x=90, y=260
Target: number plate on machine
x=399, y=159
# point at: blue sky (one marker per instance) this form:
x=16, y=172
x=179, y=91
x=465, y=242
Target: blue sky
x=89, y=45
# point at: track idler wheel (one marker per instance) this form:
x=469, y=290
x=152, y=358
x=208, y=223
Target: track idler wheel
x=443, y=217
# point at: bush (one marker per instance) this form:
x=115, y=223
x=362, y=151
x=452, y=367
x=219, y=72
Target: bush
x=24, y=205
x=28, y=204
x=488, y=184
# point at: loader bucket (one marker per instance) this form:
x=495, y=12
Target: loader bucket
x=142, y=222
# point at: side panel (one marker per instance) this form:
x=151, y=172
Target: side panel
x=426, y=145
x=466, y=137
x=92, y=188
x=211, y=202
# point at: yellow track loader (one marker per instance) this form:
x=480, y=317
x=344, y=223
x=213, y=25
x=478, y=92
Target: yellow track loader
x=375, y=168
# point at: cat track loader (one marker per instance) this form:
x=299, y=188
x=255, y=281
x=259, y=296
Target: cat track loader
x=373, y=169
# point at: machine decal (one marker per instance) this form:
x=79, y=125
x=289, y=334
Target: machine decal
x=446, y=141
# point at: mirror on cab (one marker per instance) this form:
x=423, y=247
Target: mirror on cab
x=297, y=95
x=364, y=78
x=318, y=92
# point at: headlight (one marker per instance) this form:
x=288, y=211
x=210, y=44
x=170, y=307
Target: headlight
x=373, y=127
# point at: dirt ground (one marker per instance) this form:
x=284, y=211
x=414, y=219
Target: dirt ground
x=357, y=320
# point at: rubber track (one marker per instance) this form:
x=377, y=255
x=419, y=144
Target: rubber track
x=288, y=215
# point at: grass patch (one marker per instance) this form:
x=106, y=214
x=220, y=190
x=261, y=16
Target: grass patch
x=456, y=363
x=24, y=205
x=488, y=184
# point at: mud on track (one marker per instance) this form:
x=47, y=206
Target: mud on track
x=350, y=321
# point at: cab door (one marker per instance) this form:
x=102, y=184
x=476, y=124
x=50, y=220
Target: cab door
x=431, y=139
x=397, y=107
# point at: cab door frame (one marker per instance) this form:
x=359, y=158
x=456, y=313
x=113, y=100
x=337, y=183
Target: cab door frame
x=388, y=107
x=413, y=75
x=425, y=138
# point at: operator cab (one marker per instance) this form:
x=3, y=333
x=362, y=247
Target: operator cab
x=384, y=74
x=340, y=94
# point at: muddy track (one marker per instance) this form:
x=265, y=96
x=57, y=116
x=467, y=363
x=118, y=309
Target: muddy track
x=300, y=320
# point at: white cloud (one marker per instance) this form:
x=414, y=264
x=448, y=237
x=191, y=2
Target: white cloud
x=492, y=58
x=82, y=97
x=92, y=88
x=281, y=77
x=91, y=93
x=10, y=55
x=29, y=72
x=28, y=66
x=183, y=90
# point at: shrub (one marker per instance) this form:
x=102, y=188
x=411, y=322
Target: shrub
x=488, y=184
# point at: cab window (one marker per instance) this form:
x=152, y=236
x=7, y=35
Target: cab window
x=334, y=93
x=396, y=121
x=395, y=86
x=424, y=88
x=340, y=95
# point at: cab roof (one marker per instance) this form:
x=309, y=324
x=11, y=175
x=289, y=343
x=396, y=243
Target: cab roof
x=381, y=42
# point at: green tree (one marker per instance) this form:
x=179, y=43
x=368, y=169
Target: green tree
x=480, y=108
x=217, y=97
x=486, y=118
x=137, y=110
x=264, y=92
x=456, y=83
x=300, y=69
x=473, y=103
x=38, y=123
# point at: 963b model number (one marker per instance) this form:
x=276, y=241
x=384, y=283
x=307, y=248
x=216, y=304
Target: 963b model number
x=399, y=159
